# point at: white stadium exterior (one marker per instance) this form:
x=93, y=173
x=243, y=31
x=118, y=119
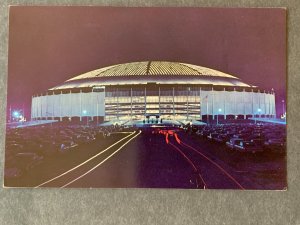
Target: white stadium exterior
x=139, y=90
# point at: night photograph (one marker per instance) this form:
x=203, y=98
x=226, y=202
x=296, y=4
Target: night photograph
x=108, y=97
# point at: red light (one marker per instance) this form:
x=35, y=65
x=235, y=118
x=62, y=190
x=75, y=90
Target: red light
x=177, y=138
x=167, y=138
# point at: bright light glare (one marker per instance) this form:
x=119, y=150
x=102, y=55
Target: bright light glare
x=16, y=114
x=84, y=112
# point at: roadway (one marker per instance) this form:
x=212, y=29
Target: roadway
x=163, y=160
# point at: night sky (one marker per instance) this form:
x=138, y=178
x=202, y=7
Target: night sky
x=48, y=45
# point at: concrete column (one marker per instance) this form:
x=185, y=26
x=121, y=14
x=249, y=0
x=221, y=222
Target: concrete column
x=46, y=113
x=269, y=94
x=41, y=106
x=207, y=114
x=145, y=102
x=60, y=105
x=265, y=113
x=38, y=110
x=159, y=100
x=80, y=103
x=36, y=107
x=253, y=115
x=92, y=114
x=274, y=106
x=212, y=112
x=97, y=111
x=259, y=113
x=200, y=104
x=224, y=102
x=187, y=103
x=31, y=113
x=234, y=103
x=52, y=105
x=71, y=110
x=244, y=101
x=173, y=104
x=131, y=103
x=117, y=93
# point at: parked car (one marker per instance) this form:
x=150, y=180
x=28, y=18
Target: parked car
x=222, y=138
x=211, y=136
x=248, y=146
x=232, y=142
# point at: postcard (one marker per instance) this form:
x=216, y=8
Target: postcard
x=111, y=97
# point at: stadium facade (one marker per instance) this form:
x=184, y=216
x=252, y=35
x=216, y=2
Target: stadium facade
x=139, y=90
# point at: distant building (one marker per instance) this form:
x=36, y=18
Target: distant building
x=140, y=90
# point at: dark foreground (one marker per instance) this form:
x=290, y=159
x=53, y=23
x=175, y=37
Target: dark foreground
x=168, y=158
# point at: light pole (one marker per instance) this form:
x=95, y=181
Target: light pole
x=258, y=110
x=16, y=115
x=282, y=108
x=87, y=119
x=10, y=114
x=219, y=110
x=187, y=103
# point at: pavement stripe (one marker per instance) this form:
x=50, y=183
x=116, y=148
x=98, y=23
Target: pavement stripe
x=217, y=165
x=102, y=161
x=81, y=164
x=191, y=163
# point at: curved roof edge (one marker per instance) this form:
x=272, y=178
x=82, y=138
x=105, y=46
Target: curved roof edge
x=160, y=72
x=152, y=68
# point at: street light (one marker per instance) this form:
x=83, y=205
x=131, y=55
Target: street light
x=87, y=120
x=219, y=110
x=258, y=110
x=283, y=108
x=16, y=114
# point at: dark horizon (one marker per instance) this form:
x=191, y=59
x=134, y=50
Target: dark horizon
x=48, y=45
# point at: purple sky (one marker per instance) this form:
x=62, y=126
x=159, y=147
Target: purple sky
x=48, y=45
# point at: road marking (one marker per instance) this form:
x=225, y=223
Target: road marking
x=191, y=163
x=101, y=161
x=46, y=182
x=121, y=132
x=217, y=165
x=167, y=138
x=177, y=138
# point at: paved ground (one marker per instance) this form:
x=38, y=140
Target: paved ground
x=55, y=165
x=29, y=123
x=146, y=160
x=269, y=120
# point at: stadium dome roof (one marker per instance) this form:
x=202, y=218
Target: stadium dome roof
x=160, y=72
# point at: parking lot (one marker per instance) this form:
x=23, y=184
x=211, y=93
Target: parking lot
x=28, y=147
x=254, y=155
x=255, y=151
x=247, y=137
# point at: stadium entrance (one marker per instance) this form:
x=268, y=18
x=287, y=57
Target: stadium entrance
x=151, y=118
x=159, y=101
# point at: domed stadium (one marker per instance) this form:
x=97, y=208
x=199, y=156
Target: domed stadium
x=141, y=90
